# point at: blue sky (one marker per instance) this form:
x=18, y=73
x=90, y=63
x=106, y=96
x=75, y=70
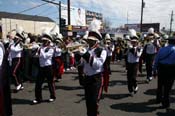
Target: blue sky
x=113, y=10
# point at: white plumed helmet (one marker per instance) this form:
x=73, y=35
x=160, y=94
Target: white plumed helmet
x=133, y=35
x=127, y=37
x=107, y=36
x=95, y=25
x=151, y=30
x=55, y=30
x=60, y=36
x=46, y=31
x=46, y=34
x=19, y=30
x=94, y=28
x=19, y=33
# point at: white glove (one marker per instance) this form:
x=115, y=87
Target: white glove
x=82, y=50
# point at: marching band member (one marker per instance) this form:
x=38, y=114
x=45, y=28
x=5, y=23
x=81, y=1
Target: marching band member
x=109, y=48
x=2, y=110
x=92, y=62
x=58, y=60
x=15, y=57
x=132, y=63
x=5, y=92
x=58, y=64
x=149, y=51
x=45, y=53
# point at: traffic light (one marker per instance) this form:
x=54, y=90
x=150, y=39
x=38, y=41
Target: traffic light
x=63, y=22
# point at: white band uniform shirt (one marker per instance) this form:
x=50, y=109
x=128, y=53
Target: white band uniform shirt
x=16, y=51
x=57, y=51
x=151, y=48
x=109, y=50
x=134, y=58
x=97, y=64
x=45, y=58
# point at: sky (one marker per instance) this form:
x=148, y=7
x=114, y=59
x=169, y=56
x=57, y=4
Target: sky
x=115, y=11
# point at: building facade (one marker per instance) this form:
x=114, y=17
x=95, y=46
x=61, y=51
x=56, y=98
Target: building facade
x=30, y=24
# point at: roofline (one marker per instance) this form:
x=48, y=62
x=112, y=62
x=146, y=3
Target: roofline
x=25, y=17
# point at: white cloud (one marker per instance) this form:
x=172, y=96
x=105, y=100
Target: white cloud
x=155, y=10
x=116, y=10
x=27, y=3
x=31, y=3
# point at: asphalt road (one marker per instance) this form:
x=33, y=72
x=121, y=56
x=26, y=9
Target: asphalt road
x=70, y=98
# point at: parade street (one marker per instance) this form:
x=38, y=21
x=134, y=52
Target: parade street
x=70, y=98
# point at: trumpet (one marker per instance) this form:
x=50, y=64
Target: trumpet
x=75, y=47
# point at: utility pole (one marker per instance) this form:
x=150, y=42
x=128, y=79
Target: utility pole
x=171, y=22
x=127, y=17
x=59, y=5
x=68, y=11
x=142, y=6
x=60, y=16
x=69, y=28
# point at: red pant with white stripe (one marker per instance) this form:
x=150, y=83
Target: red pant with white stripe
x=15, y=68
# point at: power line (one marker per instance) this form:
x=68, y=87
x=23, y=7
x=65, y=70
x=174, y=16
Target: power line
x=50, y=13
x=44, y=11
x=34, y=7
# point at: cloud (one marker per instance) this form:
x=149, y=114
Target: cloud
x=32, y=4
x=26, y=3
x=114, y=10
x=154, y=11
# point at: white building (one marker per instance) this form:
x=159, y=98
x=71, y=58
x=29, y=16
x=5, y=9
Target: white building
x=31, y=24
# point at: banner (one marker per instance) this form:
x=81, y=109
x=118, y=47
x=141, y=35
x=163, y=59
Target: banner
x=78, y=15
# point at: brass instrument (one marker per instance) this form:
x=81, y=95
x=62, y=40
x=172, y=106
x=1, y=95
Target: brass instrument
x=27, y=46
x=75, y=47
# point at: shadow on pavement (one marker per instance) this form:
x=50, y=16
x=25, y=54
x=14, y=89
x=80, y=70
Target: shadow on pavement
x=135, y=107
x=70, y=72
x=153, y=92
x=69, y=87
x=25, y=101
x=21, y=101
x=82, y=98
x=141, y=75
x=75, y=78
x=150, y=92
x=142, y=82
x=115, y=96
x=169, y=112
x=117, y=82
x=120, y=71
x=64, y=87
